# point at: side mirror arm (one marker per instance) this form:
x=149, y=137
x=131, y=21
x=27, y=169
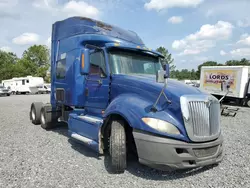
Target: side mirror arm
x=162, y=93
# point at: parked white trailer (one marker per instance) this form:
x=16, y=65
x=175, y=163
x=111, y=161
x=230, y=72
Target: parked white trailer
x=24, y=85
x=215, y=79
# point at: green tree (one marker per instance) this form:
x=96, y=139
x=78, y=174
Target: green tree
x=42, y=72
x=243, y=61
x=207, y=63
x=38, y=54
x=37, y=57
x=7, y=58
x=25, y=67
x=167, y=58
x=7, y=65
x=193, y=75
x=175, y=74
x=34, y=62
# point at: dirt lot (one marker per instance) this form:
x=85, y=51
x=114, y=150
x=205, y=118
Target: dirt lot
x=33, y=157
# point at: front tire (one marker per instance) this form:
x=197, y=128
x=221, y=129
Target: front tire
x=35, y=112
x=117, y=147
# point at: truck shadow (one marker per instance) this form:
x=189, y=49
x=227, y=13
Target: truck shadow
x=142, y=171
x=148, y=173
x=62, y=129
x=133, y=166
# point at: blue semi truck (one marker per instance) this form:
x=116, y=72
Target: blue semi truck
x=115, y=96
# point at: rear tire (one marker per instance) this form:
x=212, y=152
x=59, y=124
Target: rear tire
x=35, y=112
x=248, y=102
x=117, y=147
x=48, y=118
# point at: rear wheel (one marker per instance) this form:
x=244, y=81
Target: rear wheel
x=248, y=102
x=35, y=112
x=48, y=118
x=117, y=147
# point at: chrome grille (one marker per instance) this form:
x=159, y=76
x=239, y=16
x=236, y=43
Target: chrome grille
x=201, y=117
x=214, y=118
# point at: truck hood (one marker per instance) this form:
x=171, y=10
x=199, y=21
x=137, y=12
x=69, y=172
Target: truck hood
x=142, y=92
x=147, y=83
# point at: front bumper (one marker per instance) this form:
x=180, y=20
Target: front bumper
x=164, y=153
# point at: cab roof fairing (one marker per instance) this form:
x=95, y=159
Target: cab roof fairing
x=81, y=25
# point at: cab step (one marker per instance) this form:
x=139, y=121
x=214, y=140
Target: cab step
x=86, y=141
x=86, y=129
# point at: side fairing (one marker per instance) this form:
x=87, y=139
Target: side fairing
x=69, y=78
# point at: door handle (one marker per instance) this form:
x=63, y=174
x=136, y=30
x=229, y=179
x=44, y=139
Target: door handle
x=99, y=81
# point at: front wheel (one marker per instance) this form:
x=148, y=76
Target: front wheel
x=117, y=147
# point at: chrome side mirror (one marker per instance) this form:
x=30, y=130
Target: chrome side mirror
x=160, y=76
x=163, y=75
x=167, y=70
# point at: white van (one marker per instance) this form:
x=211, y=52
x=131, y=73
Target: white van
x=47, y=87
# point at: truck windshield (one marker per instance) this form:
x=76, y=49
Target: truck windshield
x=129, y=62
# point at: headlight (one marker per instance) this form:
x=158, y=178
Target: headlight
x=161, y=126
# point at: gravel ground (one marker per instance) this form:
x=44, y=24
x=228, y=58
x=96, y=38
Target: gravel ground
x=33, y=157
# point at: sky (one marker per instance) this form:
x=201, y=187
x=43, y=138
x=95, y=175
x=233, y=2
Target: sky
x=193, y=31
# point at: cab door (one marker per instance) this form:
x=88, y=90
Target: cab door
x=97, y=82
